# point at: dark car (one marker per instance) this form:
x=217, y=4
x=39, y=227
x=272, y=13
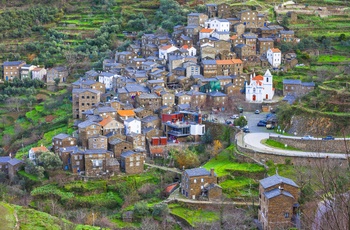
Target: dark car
x=328, y=138
x=257, y=111
x=262, y=123
x=246, y=130
x=228, y=122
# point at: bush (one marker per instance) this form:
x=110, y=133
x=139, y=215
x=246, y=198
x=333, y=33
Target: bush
x=160, y=210
x=141, y=210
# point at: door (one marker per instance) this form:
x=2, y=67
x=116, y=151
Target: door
x=254, y=97
x=267, y=96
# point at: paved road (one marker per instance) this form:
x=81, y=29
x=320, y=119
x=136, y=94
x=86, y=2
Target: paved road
x=253, y=142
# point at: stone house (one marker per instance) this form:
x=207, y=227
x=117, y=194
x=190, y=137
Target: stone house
x=167, y=98
x=97, y=142
x=191, y=68
x=91, y=75
x=238, y=28
x=72, y=158
x=209, y=68
x=252, y=19
x=278, y=202
x=250, y=40
x=182, y=98
x=224, y=80
x=293, y=89
x=149, y=101
x=84, y=83
x=236, y=40
x=185, y=40
x=86, y=130
x=224, y=10
x=84, y=99
x=197, y=99
x=39, y=73
x=243, y=51
x=63, y=140
x=10, y=166
x=208, y=52
x=211, y=10
x=117, y=146
x=95, y=162
x=110, y=124
x=131, y=162
x=132, y=125
x=137, y=140
x=217, y=99
x=34, y=152
x=196, y=19
x=141, y=112
x=150, y=121
x=12, y=69
x=263, y=45
x=221, y=35
x=124, y=57
x=60, y=72
x=286, y=35
x=105, y=111
x=194, y=181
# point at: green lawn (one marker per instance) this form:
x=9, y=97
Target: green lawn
x=223, y=165
x=332, y=58
x=239, y=187
x=279, y=145
x=193, y=216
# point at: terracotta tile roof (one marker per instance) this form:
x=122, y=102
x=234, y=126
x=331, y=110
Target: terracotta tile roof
x=237, y=61
x=39, y=149
x=233, y=37
x=106, y=121
x=171, y=188
x=258, y=78
x=125, y=113
x=276, y=50
x=185, y=47
x=206, y=30
x=224, y=62
x=166, y=47
x=157, y=151
x=37, y=69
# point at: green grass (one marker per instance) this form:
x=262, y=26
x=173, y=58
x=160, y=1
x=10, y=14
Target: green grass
x=29, y=176
x=7, y=218
x=224, y=165
x=332, y=58
x=239, y=187
x=193, y=216
x=279, y=145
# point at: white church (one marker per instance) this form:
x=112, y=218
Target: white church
x=260, y=88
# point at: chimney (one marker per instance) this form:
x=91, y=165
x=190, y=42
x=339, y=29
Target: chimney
x=211, y=172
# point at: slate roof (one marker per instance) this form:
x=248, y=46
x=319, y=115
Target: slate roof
x=61, y=136
x=291, y=81
x=209, y=62
x=198, y=172
x=265, y=39
x=5, y=159
x=286, y=32
x=276, y=179
x=289, y=98
x=12, y=63
x=106, y=109
x=95, y=151
x=276, y=192
x=71, y=149
x=79, y=91
x=14, y=161
x=309, y=84
x=149, y=118
x=127, y=154
x=216, y=94
x=115, y=141
x=87, y=123
x=106, y=74
x=129, y=119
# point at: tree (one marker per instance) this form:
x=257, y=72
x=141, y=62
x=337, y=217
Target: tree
x=185, y=158
x=285, y=21
x=207, y=138
x=141, y=210
x=160, y=210
x=50, y=161
x=57, y=81
x=342, y=37
x=216, y=148
x=241, y=121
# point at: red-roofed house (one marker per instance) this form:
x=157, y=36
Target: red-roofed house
x=109, y=124
x=274, y=56
x=36, y=151
x=191, y=50
x=260, y=88
x=165, y=50
x=205, y=33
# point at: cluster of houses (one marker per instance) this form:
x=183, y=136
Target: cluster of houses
x=21, y=70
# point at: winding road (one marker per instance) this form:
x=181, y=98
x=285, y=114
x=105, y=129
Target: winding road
x=252, y=141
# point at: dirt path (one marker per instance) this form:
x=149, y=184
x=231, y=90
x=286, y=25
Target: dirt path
x=17, y=221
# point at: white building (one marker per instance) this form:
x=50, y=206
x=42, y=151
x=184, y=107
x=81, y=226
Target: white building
x=221, y=35
x=165, y=50
x=274, y=57
x=221, y=25
x=260, y=88
x=39, y=73
x=132, y=125
x=205, y=33
x=191, y=50
x=36, y=151
x=107, y=79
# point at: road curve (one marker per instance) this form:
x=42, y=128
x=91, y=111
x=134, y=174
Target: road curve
x=252, y=141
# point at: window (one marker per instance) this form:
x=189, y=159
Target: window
x=286, y=215
x=75, y=157
x=202, y=180
x=195, y=181
x=131, y=159
x=78, y=162
x=131, y=164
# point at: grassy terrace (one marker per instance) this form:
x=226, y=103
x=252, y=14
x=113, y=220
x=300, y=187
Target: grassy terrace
x=279, y=145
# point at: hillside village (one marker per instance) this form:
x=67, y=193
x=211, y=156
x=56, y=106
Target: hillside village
x=157, y=95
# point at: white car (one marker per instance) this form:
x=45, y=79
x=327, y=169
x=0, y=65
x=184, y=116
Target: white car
x=234, y=116
x=307, y=137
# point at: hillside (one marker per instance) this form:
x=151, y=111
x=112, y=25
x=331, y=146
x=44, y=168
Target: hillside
x=18, y=217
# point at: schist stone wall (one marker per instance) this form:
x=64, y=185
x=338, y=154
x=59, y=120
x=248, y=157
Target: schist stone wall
x=325, y=146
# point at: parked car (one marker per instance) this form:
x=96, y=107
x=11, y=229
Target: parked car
x=240, y=110
x=270, y=126
x=234, y=116
x=257, y=111
x=262, y=123
x=228, y=122
x=328, y=138
x=307, y=137
x=246, y=130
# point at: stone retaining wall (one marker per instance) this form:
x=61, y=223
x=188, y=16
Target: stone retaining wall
x=325, y=146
